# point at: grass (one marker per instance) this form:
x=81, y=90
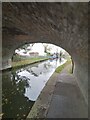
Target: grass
x=27, y=62
x=61, y=67
x=70, y=71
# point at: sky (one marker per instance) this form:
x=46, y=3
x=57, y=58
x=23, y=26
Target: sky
x=38, y=47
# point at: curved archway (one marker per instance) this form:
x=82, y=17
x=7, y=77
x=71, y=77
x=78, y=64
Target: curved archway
x=62, y=24
x=27, y=48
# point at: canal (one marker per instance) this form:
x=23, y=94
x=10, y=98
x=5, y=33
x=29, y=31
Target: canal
x=21, y=87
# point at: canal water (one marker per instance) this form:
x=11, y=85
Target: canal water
x=21, y=87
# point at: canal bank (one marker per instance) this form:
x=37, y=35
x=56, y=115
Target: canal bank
x=60, y=98
x=18, y=65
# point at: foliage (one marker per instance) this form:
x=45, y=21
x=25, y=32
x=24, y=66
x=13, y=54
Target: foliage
x=27, y=61
x=61, y=67
x=16, y=58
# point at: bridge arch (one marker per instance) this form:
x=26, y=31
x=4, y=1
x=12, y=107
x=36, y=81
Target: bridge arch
x=62, y=24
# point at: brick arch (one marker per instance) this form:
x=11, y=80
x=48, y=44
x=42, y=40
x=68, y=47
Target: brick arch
x=62, y=24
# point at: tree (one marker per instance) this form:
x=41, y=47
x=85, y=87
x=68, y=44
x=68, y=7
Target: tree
x=47, y=48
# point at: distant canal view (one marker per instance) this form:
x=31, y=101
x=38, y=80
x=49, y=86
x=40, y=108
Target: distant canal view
x=22, y=87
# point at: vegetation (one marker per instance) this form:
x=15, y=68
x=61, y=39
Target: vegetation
x=61, y=67
x=16, y=58
x=27, y=61
x=19, y=60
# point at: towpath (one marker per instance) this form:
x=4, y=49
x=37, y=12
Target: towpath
x=60, y=98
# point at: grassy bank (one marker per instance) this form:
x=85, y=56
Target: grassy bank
x=27, y=62
x=61, y=67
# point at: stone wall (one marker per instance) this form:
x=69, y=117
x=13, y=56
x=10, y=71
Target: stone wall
x=62, y=24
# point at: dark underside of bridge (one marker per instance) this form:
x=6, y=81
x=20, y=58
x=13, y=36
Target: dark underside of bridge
x=62, y=24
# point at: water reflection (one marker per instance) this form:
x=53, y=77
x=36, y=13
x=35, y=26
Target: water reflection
x=15, y=104
x=22, y=87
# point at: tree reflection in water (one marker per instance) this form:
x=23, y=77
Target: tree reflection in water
x=17, y=91
x=15, y=104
